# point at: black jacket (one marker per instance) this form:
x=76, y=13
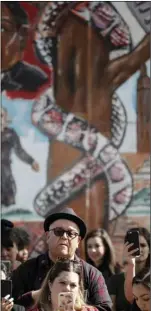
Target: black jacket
x=29, y=276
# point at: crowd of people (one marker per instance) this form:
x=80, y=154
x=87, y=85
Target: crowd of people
x=97, y=283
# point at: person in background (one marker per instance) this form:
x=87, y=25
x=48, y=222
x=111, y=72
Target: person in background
x=24, y=240
x=9, y=242
x=141, y=290
x=116, y=290
x=120, y=286
x=99, y=252
x=65, y=276
x=135, y=265
x=64, y=230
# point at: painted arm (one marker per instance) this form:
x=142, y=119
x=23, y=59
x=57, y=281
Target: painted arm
x=121, y=69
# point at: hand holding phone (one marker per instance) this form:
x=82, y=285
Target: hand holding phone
x=7, y=303
x=66, y=301
x=132, y=238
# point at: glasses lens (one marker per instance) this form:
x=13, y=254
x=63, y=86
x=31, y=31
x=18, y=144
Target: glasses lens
x=72, y=234
x=59, y=232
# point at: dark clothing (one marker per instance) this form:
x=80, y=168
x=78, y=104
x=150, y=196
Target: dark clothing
x=106, y=271
x=116, y=288
x=134, y=307
x=10, y=142
x=23, y=77
x=30, y=275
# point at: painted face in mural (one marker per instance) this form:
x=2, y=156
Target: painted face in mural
x=95, y=249
x=12, y=39
x=63, y=246
x=142, y=296
x=144, y=250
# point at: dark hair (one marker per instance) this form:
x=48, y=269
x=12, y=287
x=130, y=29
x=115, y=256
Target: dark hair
x=18, y=12
x=143, y=278
x=60, y=266
x=145, y=233
x=8, y=236
x=109, y=257
x=23, y=238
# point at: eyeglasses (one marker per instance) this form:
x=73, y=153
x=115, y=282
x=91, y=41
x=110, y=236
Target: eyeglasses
x=60, y=232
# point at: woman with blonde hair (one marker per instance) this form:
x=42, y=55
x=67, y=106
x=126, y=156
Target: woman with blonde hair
x=66, y=276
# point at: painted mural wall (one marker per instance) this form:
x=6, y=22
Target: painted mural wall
x=75, y=113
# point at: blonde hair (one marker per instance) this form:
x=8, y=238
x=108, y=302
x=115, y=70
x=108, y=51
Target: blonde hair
x=44, y=299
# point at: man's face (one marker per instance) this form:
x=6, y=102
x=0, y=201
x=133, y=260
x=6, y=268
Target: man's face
x=10, y=41
x=63, y=246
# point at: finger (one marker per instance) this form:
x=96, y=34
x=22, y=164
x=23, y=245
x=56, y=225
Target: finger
x=133, y=251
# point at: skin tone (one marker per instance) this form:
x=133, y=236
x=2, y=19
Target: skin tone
x=6, y=305
x=134, y=265
x=95, y=250
x=142, y=296
x=65, y=282
x=9, y=253
x=23, y=255
x=62, y=246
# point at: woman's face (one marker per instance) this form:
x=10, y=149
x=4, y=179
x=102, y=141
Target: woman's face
x=65, y=282
x=95, y=249
x=142, y=296
x=144, y=250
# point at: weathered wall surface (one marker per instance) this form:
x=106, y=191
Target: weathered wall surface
x=75, y=113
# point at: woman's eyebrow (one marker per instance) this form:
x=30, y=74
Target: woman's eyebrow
x=144, y=295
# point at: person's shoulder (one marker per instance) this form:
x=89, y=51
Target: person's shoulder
x=30, y=263
x=91, y=270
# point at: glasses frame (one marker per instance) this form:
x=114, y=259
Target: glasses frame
x=68, y=232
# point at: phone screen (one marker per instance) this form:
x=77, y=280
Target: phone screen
x=132, y=236
x=6, y=288
x=66, y=301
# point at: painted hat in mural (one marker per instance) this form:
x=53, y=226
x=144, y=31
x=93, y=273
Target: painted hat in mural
x=65, y=213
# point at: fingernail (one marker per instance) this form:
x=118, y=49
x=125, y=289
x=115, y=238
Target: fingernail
x=6, y=297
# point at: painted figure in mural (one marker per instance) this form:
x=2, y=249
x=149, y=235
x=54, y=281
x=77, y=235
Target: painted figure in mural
x=16, y=73
x=100, y=155
x=10, y=142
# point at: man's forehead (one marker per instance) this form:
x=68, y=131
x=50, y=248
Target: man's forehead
x=65, y=224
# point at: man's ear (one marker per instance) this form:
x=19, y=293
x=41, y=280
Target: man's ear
x=23, y=36
x=47, y=236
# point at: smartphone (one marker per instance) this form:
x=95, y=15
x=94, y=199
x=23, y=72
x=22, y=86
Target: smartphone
x=132, y=236
x=6, y=288
x=66, y=301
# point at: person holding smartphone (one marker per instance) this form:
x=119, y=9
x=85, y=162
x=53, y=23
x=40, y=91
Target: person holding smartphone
x=62, y=289
x=64, y=230
x=136, y=264
x=120, y=285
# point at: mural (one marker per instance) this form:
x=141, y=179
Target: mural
x=73, y=75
